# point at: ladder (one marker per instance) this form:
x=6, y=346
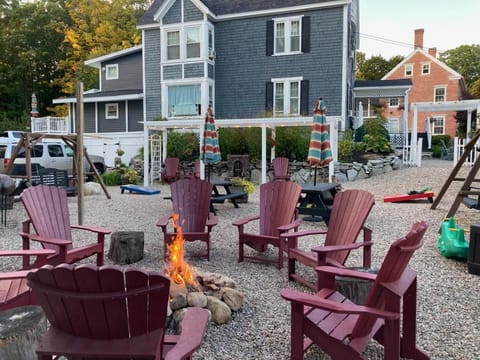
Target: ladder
x=467, y=182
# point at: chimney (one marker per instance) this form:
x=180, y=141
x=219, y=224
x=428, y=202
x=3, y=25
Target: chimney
x=418, y=39
x=432, y=52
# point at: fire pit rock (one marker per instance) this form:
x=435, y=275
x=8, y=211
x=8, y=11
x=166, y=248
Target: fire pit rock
x=213, y=291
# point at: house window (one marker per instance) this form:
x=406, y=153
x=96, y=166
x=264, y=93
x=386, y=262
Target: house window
x=438, y=125
x=173, y=45
x=184, y=100
x=211, y=51
x=111, y=72
x=286, y=97
x=393, y=103
x=193, y=43
x=425, y=68
x=111, y=111
x=439, y=94
x=408, y=69
x=287, y=36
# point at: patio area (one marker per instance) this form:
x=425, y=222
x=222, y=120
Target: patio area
x=447, y=309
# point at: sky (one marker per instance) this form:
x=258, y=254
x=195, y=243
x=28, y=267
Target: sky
x=387, y=26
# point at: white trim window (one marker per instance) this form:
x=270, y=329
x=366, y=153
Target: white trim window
x=286, y=96
x=192, y=42
x=439, y=94
x=438, y=125
x=184, y=100
x=111, y=111
x=408, y=69
x=288, y=35
x=393, y=102
x=173, y=45
x=111, y=72
x=425, y=68
x=183, y=43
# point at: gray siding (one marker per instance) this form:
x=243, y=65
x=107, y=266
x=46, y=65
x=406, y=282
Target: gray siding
x=89, y=117
x=191, y=12
x=174, y=14
x=152, y=91
x=193, y=70
x=111, y=125
x=129, y=73
x=242, y=67
x=135, y=115
x=171, y=72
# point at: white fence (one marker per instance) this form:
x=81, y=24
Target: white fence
x=458, y=149
x=49, y=125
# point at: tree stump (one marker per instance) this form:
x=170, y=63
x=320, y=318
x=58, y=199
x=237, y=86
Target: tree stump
x=21, y=330
x=126, y=247
x=354, y=289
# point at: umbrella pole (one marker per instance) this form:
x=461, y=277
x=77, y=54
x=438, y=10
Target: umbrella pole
x=315, y=176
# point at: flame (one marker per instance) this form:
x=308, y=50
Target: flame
x=177, y=269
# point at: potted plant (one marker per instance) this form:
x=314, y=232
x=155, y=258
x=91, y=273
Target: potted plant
x=240, y=184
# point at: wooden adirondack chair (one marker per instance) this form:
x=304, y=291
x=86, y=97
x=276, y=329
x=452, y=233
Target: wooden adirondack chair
x=111, y=313
x=14, y=290
x=47, y=208
x=343, y=329
x=171, y=171
x=191, y=201
x=349, y=213
x=278, y=215
x=280, y=168
x=195, y=174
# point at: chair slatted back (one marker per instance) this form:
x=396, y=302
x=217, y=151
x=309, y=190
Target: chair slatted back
x=349, y=213
x=101, y=303
x=171, y=167
x=47, y=208
x=191, y=201
x=280, y=167
x=393, y=267
x=278, y=203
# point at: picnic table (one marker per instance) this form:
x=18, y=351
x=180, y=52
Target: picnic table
x=222, y=191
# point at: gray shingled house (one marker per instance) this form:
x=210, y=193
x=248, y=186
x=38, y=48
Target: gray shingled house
x=246, y=58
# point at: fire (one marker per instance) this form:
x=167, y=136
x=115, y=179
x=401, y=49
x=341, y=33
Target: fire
x=176, y=268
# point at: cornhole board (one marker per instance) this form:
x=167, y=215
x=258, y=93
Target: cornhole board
x=428, y=195
x=139, y=189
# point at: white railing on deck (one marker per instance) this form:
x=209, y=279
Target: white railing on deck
x=49, y=125
x=458, y=149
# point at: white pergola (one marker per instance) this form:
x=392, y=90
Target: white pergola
x=461, y=105
x=197, y=124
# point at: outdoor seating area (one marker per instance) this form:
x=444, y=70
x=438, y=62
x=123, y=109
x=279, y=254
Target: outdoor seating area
x=432, y=287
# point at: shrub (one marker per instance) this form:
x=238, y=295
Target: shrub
x=112, y=177
x=346, y=146
x=183, y=145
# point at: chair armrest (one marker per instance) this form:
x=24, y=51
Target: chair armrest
x=53, y=241
x=35, y=252
x=95, y=229
x=334, y=248
x=335, y=271
x=340, y=308
x=22, y=274
x=297, y=234
x=285, y=228
x=193, y=328
x=163, y=221
x=212, y=220
x=245, y=220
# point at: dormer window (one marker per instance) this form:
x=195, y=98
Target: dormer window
x=111, y=72
x=184, y=43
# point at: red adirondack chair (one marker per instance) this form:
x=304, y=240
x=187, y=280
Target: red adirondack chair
x=343, y=329
x=195, y=174
x=47, y=209
x=349, y=213
x=171, y=171
x=280, y=168
x=191, y=201
x=14, y=290
x=111, y=312
x=278, y=201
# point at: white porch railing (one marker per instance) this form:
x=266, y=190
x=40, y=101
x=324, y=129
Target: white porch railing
x=458, y=149
x=412, y=156
x=49, y=125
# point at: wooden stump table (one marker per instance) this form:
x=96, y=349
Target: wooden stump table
x=126, y=247
x=21, y=329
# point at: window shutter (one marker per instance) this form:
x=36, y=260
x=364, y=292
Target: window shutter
x=269, y=44
x=304, y=87
x=306, y=34
x=269, y=97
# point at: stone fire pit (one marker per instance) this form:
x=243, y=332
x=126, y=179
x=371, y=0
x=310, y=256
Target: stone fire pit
x=214, y=292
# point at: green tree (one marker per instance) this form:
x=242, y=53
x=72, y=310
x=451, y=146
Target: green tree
x=375, y=67
x=465, y=60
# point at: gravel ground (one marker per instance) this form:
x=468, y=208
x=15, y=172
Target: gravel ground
x=448, y=306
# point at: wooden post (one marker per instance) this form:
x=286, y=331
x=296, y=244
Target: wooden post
x=79, y=150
